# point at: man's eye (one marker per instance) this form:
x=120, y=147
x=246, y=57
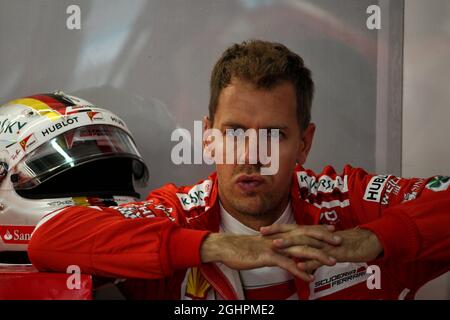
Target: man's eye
x=234, y=132
x=275, y=134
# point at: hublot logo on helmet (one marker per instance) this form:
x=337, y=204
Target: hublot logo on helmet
x=60, y=125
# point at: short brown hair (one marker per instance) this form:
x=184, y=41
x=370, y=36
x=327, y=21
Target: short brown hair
x=264, y=64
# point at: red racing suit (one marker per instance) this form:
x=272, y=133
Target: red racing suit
x=155, y=244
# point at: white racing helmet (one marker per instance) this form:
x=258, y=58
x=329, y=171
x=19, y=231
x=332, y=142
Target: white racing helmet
x=58, y=150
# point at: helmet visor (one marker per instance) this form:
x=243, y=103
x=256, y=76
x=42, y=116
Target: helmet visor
x=76, y=147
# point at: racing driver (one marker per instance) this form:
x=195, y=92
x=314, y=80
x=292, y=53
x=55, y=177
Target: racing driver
x=239, y=234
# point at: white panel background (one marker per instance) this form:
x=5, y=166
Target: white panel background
x=426, y=102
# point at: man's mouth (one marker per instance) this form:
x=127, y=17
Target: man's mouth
x=249, y=183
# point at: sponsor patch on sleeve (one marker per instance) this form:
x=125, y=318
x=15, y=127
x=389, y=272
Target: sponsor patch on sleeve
x=146, y=209
x=324, y=184
x=438, y=183
x=196, y=196
x=375, y=188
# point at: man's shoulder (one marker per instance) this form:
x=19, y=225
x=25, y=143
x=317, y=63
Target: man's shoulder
x=329, y=170
x=329, y=195
x=328, y=185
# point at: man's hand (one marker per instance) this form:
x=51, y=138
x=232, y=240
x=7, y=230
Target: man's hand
x=357, y=245
x=247, y=252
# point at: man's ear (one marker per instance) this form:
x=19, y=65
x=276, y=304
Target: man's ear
x=307, y=137
x=207, y=124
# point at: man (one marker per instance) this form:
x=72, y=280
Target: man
x=242, y=235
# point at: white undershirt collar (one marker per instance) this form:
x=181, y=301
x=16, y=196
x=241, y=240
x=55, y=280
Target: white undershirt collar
x=229, y=224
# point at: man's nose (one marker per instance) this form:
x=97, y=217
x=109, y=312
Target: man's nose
x=248, y=154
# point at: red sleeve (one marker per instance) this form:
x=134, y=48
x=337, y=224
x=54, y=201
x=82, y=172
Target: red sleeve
x=138, y=240
x=411, y=217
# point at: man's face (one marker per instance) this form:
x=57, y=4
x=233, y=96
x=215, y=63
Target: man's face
x=242, y=189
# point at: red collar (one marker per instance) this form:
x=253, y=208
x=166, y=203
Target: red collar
x=209, y=219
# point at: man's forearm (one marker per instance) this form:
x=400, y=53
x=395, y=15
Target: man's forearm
x=210, y=248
